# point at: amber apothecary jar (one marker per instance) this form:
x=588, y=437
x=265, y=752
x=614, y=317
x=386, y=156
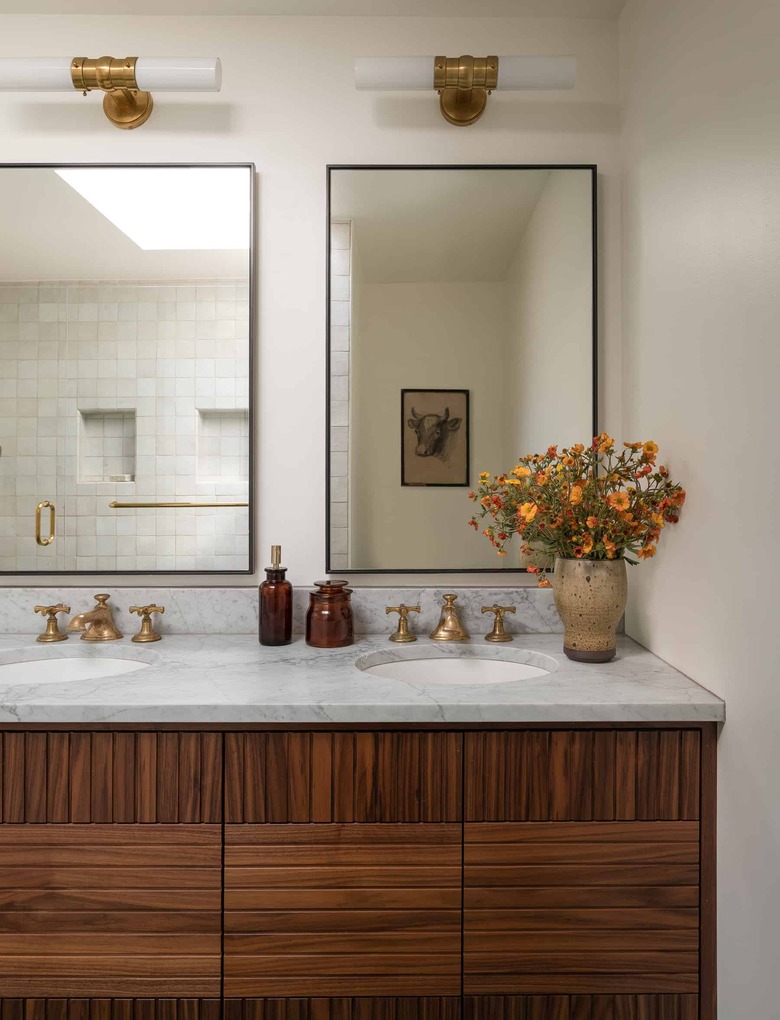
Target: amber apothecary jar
x=329, y=619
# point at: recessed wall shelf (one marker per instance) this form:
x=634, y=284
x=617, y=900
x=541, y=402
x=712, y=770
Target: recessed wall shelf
x=223, y=445
x=107, y=445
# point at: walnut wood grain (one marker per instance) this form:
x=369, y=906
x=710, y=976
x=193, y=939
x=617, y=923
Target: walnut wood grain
x=581, y=1007
x=345, y=1008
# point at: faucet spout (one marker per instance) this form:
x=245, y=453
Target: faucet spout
x=449, y=627
x=98, y=623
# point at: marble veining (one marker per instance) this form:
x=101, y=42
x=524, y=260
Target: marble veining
x=233, y=679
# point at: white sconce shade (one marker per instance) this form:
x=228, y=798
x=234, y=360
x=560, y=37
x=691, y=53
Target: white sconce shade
x=409, y=74
x=159, y=74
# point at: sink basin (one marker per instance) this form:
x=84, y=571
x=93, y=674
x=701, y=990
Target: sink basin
x=459, y=667
x=59, y=670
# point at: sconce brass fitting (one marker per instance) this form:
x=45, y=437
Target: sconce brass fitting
x=52, y=632
x=402, y=635
x=147, y=632
x=463, y=84
x=125, y=105
x=498, y=633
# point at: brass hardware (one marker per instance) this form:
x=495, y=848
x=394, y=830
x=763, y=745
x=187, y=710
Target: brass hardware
x=52, y=522
x=449, y=627
x=498, y=633
x=115, y=505
x=97, y=624
x=147, y=632
x=125, y=105
x=402, y=635
x=52, y=632
x=463, y=84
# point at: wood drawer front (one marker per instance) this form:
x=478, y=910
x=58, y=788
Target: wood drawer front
x=90, y=777
x=110, y=1009
x=344, y=1008
x=587, y=908
x=343, y=777
x=581, y=1007
x=582, y=775
x=337, y=910
x=110, y=910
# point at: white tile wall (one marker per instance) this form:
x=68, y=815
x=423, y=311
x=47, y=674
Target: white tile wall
x=106, y=378
x=340, y=319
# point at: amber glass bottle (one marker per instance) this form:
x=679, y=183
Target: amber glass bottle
x=329, y=619
x=276, y=603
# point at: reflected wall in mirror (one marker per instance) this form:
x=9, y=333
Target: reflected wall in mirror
x=476, y=279
x=125, y=367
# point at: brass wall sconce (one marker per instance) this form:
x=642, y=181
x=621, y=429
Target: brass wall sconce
x=464, y=83
x=127, y=82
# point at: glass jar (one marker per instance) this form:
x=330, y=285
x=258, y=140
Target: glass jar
x=329, y=619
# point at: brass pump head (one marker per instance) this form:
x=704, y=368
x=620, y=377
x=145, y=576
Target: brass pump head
x=52, y=632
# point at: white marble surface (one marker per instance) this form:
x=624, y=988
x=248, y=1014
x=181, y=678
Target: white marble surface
x=234, y=610
x=233, y=679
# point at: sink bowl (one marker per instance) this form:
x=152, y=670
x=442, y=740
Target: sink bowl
x=457, y=667
x=59, y=670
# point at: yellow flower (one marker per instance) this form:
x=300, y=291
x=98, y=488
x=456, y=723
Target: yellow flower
x=650, y=449
x=521, y=471
x=528, y=511
x=512, y=481
x=575, y=496
x=484, y=475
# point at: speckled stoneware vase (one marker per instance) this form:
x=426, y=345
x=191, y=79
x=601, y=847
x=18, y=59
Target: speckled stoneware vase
x=590, y=596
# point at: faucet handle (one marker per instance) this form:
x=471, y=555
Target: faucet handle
x=147, y=632
x=52, y=632
x=402, y=635
x=498, y=633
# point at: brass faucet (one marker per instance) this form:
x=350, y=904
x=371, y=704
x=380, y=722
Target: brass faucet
x=147, y=631
x=402, y=635
x=498, y=633
x=449, y=627
x=97, y=624
x=52, y=632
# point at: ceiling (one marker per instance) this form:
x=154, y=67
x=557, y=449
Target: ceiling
x=372, y=8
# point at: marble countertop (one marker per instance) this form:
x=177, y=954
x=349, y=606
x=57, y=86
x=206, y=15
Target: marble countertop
x=215, y=679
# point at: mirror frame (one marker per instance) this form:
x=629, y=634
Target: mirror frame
x=252, y=227
x=593, y=169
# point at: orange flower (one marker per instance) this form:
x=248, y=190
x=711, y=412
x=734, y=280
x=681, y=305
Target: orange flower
x=678, y=498
x=649, y=449
x=474, y=525
x=568, y=461
x=575, y=496
x=578, y=551
x=527, y=511
x=592, y=522
x=552, y=451
x=502, y=552
x=604, y=442
x=578, y=448
x=587, y=544
x=647, y=552
x=618, y=500
x=610, y=548
x=543, y=583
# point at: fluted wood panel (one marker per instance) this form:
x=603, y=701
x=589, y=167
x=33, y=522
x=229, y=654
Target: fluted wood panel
x=91, y=777
x=343, y=777
x=110, y=1009
x=364, y=1008
x=626, y=934
x=115, y=910
x=581, y=1007
x=338, y=910
x=582, y=775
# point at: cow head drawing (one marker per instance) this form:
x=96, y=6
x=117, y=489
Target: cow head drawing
x=434, y=433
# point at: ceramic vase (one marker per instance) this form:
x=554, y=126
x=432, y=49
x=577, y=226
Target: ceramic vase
x=590, y=596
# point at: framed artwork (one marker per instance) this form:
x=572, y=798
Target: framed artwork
x=435, y=437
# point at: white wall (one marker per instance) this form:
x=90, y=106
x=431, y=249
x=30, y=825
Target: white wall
x=550, y=288
x=289, y=104
x=701, y=210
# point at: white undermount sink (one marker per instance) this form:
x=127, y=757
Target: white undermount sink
x=59, y=670
x=461, y=666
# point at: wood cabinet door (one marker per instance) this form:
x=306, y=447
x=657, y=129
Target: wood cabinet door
x=110, y=855
x=582, y=874
x=343, y=868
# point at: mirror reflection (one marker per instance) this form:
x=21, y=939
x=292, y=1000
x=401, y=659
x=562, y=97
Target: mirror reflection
x=125, y=368
x=461, y=332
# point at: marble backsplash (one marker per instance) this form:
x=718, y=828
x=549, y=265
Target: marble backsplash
x=234, y=610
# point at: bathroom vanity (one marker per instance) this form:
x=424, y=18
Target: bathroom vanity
x=278, y=834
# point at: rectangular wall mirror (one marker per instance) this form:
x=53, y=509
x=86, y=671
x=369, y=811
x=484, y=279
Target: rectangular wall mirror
x=461, y=335
x=126, y=337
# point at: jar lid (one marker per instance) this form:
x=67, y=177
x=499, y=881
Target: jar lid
x=331, y=586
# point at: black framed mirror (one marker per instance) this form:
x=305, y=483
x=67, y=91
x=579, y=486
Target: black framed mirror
x=126, y=368
x=474, y=290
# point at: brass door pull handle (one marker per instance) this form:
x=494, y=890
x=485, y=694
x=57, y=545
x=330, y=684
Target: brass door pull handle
x=498, y=633
x=147, y=632
x=402, y=635
x=52, y=632
x=52, y=522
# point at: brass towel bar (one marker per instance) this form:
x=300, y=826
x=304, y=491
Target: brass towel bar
x=115, y=505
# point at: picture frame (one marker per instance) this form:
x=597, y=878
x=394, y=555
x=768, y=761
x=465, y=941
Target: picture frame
x=435, y=438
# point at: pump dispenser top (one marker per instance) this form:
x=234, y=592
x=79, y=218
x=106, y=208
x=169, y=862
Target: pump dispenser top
x=276, y=601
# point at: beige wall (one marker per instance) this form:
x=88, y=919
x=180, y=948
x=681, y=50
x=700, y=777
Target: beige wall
x=701, y=373
x=289, y=104
x=550, y=294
